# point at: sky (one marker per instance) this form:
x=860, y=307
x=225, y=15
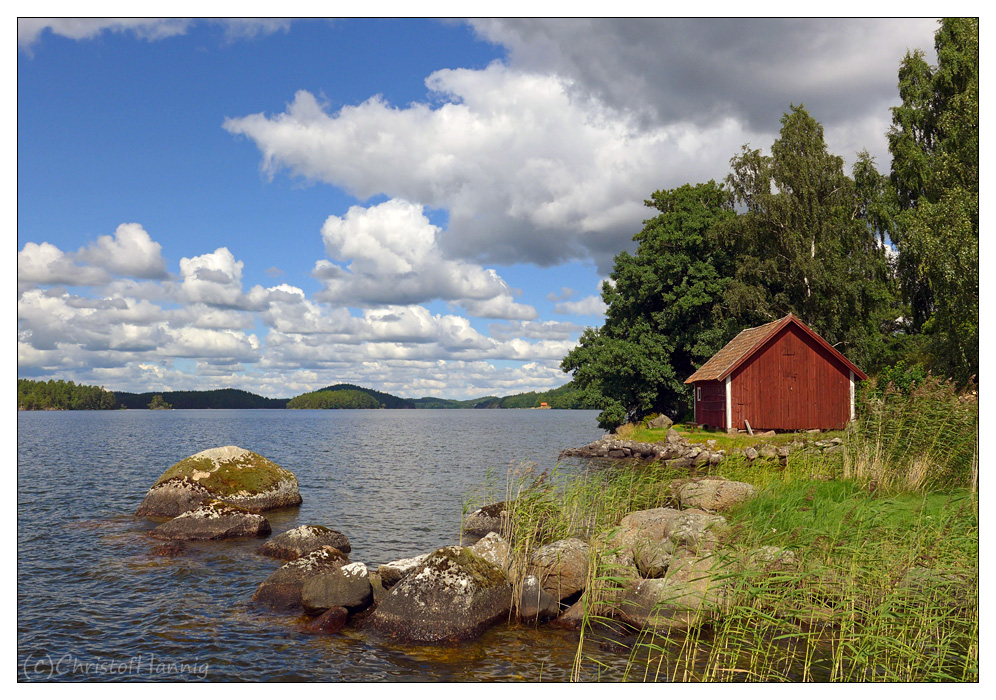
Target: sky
x=421, y=207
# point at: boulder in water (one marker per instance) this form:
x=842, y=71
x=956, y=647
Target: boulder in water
x=230, y=474
x=454, y=595
x=214, y=520
x=304, y=540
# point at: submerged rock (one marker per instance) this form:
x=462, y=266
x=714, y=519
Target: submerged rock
x=535, y=604
x=329, y=622
x=230, y=474
x=282, y=590
x=214, y=520
x=453, y=595
x=304, y=540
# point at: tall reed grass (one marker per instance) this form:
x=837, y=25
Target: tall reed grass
x=882, y=579
x=920, y=439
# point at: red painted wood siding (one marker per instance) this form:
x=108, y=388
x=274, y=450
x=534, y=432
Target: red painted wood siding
x=710, y=404
x=791, y=383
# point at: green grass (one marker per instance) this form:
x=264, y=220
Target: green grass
x=884, y=578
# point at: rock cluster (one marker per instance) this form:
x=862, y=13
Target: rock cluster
x=218, y=494
x=674, y=449
x=664, y=564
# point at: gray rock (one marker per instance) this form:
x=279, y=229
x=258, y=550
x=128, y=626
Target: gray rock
x=304, y=540
x=282, y=589
x=454, y=595
x=767, y=451
x=660, y=422
x=394, y=571
x=230, y=474
x=214, y=520
x=345, y=587
x=750, y=453
x=690, y=594
x=490, y=518
x=535, y=604
x=561, y=567
x=493, y=548
x=713, y=494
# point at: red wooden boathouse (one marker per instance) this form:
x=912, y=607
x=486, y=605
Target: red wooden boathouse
x=779, y=376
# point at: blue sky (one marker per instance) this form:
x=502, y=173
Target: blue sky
x=421, y=207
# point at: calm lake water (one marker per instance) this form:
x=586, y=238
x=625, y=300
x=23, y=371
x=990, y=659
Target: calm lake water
x=93, y=602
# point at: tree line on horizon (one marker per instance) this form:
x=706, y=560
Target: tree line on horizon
x=884, y=267
x=35, y=395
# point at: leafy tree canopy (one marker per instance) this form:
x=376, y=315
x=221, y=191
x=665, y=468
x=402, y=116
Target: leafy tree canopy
x=664, y=315
x=934, y=141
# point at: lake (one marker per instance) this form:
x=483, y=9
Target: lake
x=93, y=602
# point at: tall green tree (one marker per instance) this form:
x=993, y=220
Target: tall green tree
x=934, y=141
x=808, y=242
x=664, y=312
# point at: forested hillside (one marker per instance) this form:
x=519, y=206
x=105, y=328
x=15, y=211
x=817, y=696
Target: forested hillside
x=62, y=396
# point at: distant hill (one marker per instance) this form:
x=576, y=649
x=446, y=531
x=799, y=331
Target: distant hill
x=345, y=396
x=61, y=394
x=215, y=398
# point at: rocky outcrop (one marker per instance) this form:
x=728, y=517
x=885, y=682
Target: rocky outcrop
x=230, y=474
x=712, y=494
x=304, y=540
x=282, y=590
x=453, y=595
x=345, y=587
x=673, y=449
x=661, y=421
x=214, y=520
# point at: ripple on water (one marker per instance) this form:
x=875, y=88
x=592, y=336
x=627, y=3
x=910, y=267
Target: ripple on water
x=395, y=482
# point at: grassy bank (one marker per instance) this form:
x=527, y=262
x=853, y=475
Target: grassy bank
x=882, y=578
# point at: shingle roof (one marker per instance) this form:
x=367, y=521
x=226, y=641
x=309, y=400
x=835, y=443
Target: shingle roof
x=720, y=365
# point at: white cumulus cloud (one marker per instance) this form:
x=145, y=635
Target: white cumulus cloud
x=389, y=255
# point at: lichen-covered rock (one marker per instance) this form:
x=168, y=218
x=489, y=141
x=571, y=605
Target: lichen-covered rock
x=690, y=594
x=282, y=589
x=494, y=548
x=393, y=571
x=713, y=494
x=230, y=474
x=346, y=587
x=454, y=595
x=561, y=567
x=214, y=520
x=490, y=518
x=304, y=540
